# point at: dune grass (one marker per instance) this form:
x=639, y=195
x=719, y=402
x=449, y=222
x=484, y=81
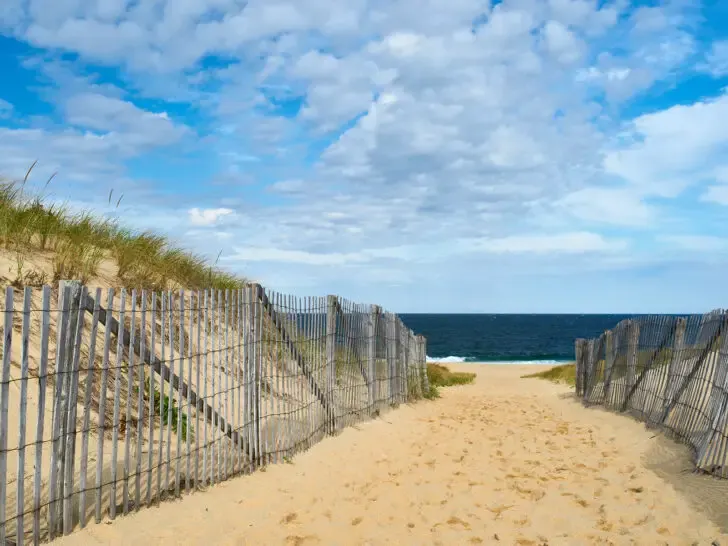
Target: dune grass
x=78, y=243
x=441, y=376
x=565, y=373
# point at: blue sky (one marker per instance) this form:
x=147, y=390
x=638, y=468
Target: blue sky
x=425, y=155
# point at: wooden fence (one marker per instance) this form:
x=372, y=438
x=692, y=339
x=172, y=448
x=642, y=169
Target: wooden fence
x=110, y=402
x=669, y=371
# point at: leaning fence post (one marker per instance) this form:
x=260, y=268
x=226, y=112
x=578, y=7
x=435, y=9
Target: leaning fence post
x=609, y=353
x=404, y=347
x=253, y=363
x=675, y=360
x=633, y=336
x=372, y=349
x=590, y=365
x=390, y=337
x=331, y=358
x=422, y=364
x=579, y=364
x=397, y=360
x=72, y=355
x=68, y=298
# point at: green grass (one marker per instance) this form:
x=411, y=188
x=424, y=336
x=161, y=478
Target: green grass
x=165, y=411
x=565, y=373
x=441, y=376
x=80, y=242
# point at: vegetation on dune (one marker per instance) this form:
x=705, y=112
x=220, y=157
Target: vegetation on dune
x=565, y=373
x=78, y=244
x=441, y=376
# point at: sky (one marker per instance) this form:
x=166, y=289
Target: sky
x=424, y=155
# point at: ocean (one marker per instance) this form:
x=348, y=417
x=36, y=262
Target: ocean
x=533, y=339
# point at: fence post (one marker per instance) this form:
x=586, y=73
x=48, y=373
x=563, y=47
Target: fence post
x=406, y=359
x=390, y=356
x=68, y=298
x=415, y=364
x=72, y=356
x=397, y=360
x=252, y=363
x=675, y=360
x=633, y=336
x=372, y=355
x=331, y=358
x=422, y=364
x=579, y=357
x=591, y=355
x=609, y=352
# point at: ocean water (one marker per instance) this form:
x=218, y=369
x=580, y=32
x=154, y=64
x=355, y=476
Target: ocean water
x=536, y=339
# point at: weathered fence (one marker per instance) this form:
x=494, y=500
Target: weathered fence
x=669, y=371
x=110, y=402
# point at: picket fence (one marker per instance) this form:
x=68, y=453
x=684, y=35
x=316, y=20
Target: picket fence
x=126, y=399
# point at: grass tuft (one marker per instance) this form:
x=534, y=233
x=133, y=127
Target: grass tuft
x=441, y=376
x=565, y=373
x=82, y=241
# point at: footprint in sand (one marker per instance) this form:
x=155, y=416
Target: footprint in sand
x=288, y=519
x=295, y=540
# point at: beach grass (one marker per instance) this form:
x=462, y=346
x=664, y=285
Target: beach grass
x=441, y=376
x=78, y=243
x=564, y=373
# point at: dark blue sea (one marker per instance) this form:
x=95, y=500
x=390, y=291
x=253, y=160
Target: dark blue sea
x=537, y=339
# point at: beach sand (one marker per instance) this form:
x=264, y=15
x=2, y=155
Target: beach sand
x=503, y=461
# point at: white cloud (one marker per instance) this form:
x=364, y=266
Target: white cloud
x=716, y=60
x=669, y=149
x=429, y=131
x=618, y=206
x=562, y=243
x=716, y=194
x=696, y=243
x=6, y=109
x=208, y=217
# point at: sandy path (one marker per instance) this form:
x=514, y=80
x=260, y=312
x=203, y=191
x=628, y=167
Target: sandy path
x=506, y=460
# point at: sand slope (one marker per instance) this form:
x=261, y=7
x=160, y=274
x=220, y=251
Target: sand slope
x=503, y=461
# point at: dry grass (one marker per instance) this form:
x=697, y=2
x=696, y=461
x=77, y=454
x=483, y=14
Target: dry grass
x=566, y=373
x=79, y=243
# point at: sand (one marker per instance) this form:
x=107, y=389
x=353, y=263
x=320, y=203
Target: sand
x=503, y=461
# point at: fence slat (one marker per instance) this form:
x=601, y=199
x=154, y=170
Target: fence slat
x=170, y=395
x=102, y=408
x=180, y=400
x=152, y=400
x=22, y=417
x=117, y=406
x=42, y=384
x=129, y=392
x=55, y=521
x=73, y=354
x=140, y=403
x=86, y=423
x=188, y=400
x=5, y=404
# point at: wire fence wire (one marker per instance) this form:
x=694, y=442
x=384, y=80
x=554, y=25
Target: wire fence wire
x=670, y=372
x=114, y=401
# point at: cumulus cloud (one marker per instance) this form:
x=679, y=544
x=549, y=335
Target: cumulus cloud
x=208, y=217
x=716, y=60
x=385, y=135
x=6, y=109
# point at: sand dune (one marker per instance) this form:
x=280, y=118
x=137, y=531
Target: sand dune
x=503, y=461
